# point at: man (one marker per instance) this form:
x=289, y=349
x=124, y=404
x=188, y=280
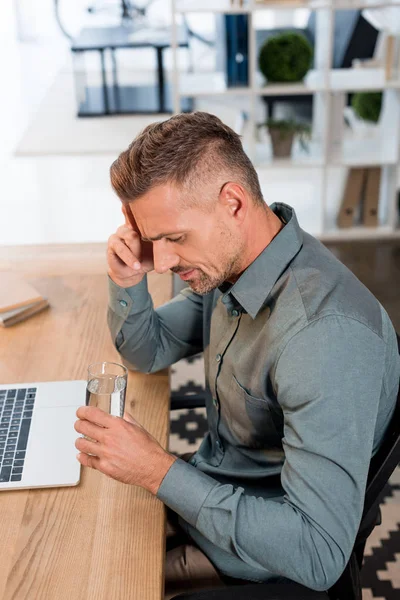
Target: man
x=301, y=363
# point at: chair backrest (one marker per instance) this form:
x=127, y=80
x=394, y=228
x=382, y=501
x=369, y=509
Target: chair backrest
x=353, y=37
x=381, y=467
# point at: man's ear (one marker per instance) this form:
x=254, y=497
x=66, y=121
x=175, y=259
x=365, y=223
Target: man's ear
x=234, y=199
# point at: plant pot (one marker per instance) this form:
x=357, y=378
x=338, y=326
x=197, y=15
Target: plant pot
x=282, y=142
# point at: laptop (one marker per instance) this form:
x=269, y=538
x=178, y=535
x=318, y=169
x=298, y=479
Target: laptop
x=37, y=435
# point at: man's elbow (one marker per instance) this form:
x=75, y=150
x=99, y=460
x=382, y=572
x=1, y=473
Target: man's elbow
x=324, y=571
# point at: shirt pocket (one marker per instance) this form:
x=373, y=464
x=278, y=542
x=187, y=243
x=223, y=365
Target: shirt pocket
x=250, y=418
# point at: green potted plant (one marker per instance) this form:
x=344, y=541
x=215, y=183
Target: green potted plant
x=367, y=105
x=285, y=57
x=282, y=134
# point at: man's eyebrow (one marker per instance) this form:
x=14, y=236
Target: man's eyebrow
x=160, y=236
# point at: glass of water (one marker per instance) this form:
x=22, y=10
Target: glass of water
x=106, y=387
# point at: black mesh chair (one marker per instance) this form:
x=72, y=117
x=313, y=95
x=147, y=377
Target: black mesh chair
x=348, y=586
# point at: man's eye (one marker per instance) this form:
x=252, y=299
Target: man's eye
x=178, y=239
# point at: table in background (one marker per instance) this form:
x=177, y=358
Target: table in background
x=101, y=540
x=117, y=99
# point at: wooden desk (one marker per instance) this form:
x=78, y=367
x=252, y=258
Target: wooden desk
x=101, y=539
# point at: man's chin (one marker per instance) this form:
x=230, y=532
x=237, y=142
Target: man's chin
x=201, y=287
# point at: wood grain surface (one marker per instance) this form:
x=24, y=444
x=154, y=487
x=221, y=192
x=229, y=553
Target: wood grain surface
x=100, y=540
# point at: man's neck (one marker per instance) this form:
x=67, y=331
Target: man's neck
x=267, y=225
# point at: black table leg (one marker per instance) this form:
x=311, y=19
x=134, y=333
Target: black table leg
x=160, y=73
x=103, y=76
x=115, y=81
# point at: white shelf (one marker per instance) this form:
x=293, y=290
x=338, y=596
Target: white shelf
x=207, y=84
x=313, y=82
x=362, y=151
x=292, y=4
x=350, y=4
x=360, y=233
x=213, y=6
x=299, y=158
x=334, y=146
x=356, y=79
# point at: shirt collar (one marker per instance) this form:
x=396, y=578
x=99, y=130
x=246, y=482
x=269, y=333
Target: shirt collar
x=253, y=287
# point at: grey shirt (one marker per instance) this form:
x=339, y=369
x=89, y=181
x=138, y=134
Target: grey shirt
x=302, y=372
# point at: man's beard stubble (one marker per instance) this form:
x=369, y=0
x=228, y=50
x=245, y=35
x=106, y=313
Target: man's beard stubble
x=204, y=283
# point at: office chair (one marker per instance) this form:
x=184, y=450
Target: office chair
x=348, y=586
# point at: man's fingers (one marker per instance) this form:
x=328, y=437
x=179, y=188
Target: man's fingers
x=86, y=446
x=88, y=461
x=95, y=415
x=87, y=428
x=118, y=247
x=127, y=221
x=128, y=417
x=130, y=218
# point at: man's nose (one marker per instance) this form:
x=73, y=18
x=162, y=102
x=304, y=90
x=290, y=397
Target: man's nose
x=164, y=259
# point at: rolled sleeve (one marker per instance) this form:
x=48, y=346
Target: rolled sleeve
x=185, y=489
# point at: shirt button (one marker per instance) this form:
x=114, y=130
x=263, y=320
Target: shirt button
x=192, y=461
x=123, y=303
x=215, y=402
x=235, y=313
x=218, y=443
x=218, y=358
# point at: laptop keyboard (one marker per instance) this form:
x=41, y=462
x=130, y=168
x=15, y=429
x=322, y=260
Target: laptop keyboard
x=16, y=408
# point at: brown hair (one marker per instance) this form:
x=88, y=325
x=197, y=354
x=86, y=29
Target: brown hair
x=187, y=150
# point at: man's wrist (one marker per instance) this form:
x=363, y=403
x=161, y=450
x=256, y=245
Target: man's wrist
x=126, y=283
x=164, y=463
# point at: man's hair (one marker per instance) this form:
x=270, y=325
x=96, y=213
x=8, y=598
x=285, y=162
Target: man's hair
x=188, y=150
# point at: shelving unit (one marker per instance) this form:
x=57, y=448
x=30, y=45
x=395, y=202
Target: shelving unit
x=333, y=148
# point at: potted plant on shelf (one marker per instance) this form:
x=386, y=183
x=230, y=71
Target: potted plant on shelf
x=367, y=105
x=282, y=134
x=285, y=57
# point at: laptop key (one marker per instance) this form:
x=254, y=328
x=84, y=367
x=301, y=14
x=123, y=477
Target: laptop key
x=16, y=470
x=21, y=394
x=16, y=477
x=20, y=454
x=7, y=462
x=10, y=448
x=3, y=438
x=11, y=393
x=12, y=434
x=5, y=474
x=23, y=436
x=3, y=430
x=9, y=455
x=18, y=463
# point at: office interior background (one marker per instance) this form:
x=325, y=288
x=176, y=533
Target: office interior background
x=69, y=105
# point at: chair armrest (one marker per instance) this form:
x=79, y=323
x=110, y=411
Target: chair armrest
x=183, y=401
x=258, y=591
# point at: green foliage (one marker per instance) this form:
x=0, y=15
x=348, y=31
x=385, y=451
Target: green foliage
x=285, y=57
x=367, y=105
x=290, y=127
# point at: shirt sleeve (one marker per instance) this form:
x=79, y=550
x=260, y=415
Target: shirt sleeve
x=328, y=381
x=149, y=340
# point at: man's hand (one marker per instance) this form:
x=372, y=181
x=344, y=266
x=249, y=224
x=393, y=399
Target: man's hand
x=129, y=259
x=123, y=449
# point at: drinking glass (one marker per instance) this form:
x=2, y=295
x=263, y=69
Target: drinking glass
x=106, y=387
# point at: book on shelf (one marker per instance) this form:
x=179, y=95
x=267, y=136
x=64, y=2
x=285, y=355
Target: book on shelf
x=18, y=299
x=371, y=197
x=352, y=197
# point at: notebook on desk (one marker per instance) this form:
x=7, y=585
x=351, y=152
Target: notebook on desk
x=37, y=435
